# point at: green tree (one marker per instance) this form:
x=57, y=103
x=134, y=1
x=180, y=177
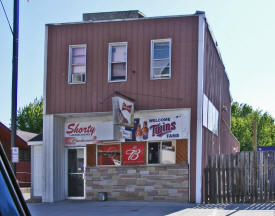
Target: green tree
x=30, y=117
x=243, y=116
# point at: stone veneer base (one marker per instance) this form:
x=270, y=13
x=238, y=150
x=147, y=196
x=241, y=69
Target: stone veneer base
x=141, y=182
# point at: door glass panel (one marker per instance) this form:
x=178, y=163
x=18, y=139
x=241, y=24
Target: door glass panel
x=76, y=185
x=76, y=172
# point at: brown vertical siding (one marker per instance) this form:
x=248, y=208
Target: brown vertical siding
x=216, y=88
x=95, y=96
x=91, y=155
x=182, y=151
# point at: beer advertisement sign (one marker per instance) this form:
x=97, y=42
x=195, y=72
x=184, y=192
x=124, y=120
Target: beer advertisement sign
x=108, y=154
x=133, y=153
x=158, y=128
x=123, y=112
x=78, y=133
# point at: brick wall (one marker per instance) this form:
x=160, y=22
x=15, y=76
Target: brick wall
x=150, y=183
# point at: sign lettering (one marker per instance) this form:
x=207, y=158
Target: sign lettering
x=133, y=153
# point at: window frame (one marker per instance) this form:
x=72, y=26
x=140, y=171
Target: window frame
x=160, y=147
x=113, y=44
x=24, y=155
x=120, y=152
x=71, y=47
x=152, y=59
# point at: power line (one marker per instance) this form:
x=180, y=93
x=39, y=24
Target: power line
x=6, y=16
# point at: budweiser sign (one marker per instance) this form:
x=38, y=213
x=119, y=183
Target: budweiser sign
x=133, y=153
x=83, y=133
x=127, y=107
x=123, y=112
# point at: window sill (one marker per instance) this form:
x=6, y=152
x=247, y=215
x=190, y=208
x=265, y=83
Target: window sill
x=160, y=78
x=138, y=165
x=78, y=83
x=114, y=81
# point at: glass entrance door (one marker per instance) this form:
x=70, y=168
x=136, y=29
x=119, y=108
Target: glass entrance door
x=76, y=172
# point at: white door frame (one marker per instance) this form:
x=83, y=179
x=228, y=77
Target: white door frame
x=84, y=173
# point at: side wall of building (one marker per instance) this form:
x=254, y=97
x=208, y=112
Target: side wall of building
x=216, y=88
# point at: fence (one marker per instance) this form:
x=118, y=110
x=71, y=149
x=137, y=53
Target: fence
x=240, y=177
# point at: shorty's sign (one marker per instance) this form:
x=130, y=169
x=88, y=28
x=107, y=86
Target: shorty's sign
x=133, y=153
x=160, y=128
x=82, y=133
x=123, y=112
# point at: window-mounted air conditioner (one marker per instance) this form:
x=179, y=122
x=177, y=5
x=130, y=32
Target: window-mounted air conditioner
x=78, y=77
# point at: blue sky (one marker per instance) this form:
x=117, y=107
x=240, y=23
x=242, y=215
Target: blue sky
x=244, y=30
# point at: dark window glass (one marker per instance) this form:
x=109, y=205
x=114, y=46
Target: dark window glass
x=24, y=155
x=153, y=153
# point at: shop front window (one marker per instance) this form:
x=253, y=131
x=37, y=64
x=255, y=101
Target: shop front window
x=108, y=155
x=153, y=153
x=162, y=152
x=168, y=153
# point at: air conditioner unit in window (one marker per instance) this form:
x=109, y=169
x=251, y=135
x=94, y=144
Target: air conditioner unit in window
x=78, y=77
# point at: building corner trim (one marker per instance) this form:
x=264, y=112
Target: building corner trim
x=201, y=33
x=45, y=69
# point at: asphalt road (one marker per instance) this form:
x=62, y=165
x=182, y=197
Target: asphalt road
x=115, y=208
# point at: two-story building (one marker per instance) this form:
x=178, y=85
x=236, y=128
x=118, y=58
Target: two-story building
x=133, y=107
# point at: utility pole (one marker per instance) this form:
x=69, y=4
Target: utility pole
x=14, y=76
x=255, y=135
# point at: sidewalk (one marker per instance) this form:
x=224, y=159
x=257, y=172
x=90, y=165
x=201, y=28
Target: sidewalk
x=123, y=208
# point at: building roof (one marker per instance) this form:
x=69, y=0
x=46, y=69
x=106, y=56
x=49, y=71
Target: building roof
x=125, y=18
x=26, y=136
x=112, y=15
x=37, y=138
x=22, y=136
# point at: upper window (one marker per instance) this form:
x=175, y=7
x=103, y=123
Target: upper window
x=117, y=63
x=24, y=155
x=161, y=59
x=77, y=64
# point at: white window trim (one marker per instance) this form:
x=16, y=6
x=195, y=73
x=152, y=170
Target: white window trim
x=110, y=60
x=152, y=53
x=70, y=63
x=160, y=147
